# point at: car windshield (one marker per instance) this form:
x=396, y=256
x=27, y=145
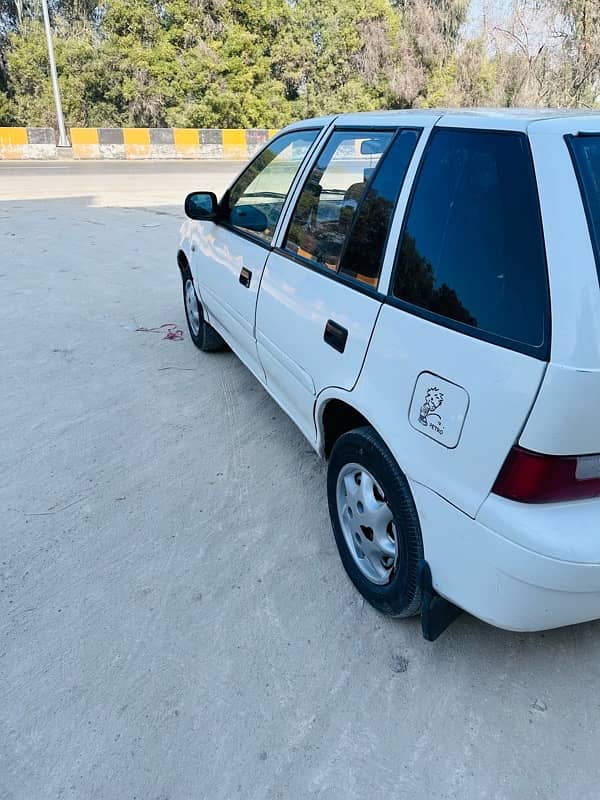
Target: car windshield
x=585, y=151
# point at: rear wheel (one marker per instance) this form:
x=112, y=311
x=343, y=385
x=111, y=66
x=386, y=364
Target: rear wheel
x=375, y=522
x=203, y=335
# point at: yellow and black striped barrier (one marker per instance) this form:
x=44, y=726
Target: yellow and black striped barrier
x=18, y=143
x=135, y=143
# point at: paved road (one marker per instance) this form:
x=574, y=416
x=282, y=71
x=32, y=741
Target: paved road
x=116, y=168
x=174, y=619
x=115, y=183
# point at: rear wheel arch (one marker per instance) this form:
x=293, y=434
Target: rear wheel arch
x=336, y=417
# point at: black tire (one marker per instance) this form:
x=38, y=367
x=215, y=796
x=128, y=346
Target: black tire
x=205, y=337
x=401, y=596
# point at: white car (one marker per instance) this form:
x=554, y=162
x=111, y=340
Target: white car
x=419, y=291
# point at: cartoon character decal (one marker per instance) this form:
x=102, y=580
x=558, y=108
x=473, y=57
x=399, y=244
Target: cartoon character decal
x=433, y=400
x=438, y=409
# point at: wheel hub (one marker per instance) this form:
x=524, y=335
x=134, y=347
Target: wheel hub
x=367, y=523
x=191, y=307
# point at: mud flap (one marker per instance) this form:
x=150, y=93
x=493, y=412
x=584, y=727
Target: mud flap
x=436, y=612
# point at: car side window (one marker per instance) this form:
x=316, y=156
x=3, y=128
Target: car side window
x=363, y=256
x=472, y=250
x=254, y=203
x=331, y=195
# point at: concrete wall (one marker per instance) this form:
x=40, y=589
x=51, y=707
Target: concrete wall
x=135, y=143
x=27, y=143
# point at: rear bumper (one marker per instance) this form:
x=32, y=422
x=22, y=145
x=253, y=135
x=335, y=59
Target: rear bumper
x=522, y=568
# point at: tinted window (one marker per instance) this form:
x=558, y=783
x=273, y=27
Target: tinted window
x=585, y=151
x=363, y=255
x=472, y=249
x=255, y=201
x=333, y=191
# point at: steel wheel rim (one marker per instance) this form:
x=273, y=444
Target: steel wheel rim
x=191, y=307
x=367, y=523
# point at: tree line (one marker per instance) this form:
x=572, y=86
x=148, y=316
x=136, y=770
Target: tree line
x=264, y=63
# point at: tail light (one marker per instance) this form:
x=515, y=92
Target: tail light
x=536, y=478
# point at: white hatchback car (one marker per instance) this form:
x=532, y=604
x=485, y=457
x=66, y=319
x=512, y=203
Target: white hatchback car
x=420, y=292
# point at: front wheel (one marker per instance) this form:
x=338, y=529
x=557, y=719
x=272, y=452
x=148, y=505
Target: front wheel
x=375, y=522
x=203, y=335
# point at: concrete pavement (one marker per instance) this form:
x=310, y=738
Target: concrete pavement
x=175, y=621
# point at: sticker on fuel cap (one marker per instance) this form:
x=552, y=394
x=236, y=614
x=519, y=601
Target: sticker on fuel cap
x=438, y=409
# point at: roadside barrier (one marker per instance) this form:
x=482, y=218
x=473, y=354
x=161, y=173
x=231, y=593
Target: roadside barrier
x=18, y=143
x=134, y=143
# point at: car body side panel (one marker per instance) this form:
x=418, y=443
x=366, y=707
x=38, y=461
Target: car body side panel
x=565, y=419
x=501, y=386
x=572, y=273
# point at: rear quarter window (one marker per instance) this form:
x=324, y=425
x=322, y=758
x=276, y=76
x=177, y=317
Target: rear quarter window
x=585, y=152
x=472, y=253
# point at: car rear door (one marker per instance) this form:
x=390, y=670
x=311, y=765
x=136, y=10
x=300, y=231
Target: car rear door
x=319, y=296
x=229, y=255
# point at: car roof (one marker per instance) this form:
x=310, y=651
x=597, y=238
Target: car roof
x=523, y=114
x=520, y=119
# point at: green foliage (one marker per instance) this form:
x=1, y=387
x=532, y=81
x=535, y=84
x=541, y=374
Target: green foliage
x=256, y=63
x=5, y=110
x=440, y=85
x=30, y=94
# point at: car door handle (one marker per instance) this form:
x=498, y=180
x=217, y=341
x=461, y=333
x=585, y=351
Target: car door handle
x=245, y=277
x=335, y=336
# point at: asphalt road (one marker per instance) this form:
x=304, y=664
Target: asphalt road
x=116, y=167
x=115, y=183
x=174, y=619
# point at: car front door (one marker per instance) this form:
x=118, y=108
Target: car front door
x=319, y=296
x=229, y=255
